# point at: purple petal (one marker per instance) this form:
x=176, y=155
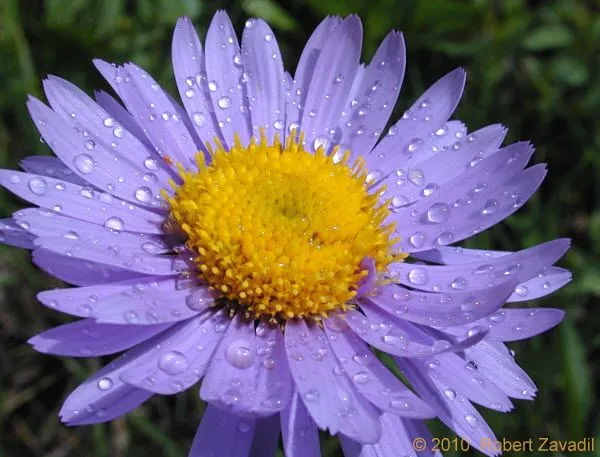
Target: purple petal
x=45, y=223
x=440, y=309
x=103, y=396
x=519, y=266
x=423, y=180
x=332, y=400
x=81, y=202
x=481, y=197
x=452, y=408
x=87, y=338
x=248, y=374
x=495, y=362
x=144, y=301
x=15, y=235
x=399, y=337
x=266, y=437
x=298, y=430
x=306, y=70
x=222, y=434
x=158, y=116
x=183, y=361
x=376, y=96
x=332, y=79
x=77, y=271
x=549, y=280
x=112, y=106
x=429, y=113
x=108, y=255
x=226, y=81
x=370, y=377
x=451, y=256
x=190, y=76
x=92, y=150
x=51, y=166
x=398, y=437
x=367, y=283
x=261, y=59
x=463, y=376
x=514, y=324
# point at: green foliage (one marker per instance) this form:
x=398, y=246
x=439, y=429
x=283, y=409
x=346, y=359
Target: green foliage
x=532, y=66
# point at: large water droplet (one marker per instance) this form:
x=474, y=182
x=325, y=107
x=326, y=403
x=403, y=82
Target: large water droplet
x=417, y=239
x=362, y=377
x=450, y=394
x=224, y=102
x=418, y=276
x=84, y=163
x=105, y=383
x=38, y=185
x=239, y=354
x=416, y=177
x=173, y=362
x=114, y=224
x=438, y=212
x=143, y=194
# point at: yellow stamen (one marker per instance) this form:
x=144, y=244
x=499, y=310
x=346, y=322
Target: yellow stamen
x=280, y=231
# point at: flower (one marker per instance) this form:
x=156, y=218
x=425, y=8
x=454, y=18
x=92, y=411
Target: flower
x=264, y=239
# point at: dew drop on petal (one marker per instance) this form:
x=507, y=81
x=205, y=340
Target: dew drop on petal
x=438, y=212
x=312, y=395
x=239, y=354
x=105, y=383
x=173, y=362
x=84, y=163
x=38, y=185
x=418, y=276
x=114, y=224
x=143, y=194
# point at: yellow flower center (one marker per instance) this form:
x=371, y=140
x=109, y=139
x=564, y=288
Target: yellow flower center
x=281, y=232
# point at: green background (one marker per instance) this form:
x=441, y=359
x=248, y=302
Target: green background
x=531, y=65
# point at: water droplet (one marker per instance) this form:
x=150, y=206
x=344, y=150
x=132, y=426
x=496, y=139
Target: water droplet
x=89, y=145
x=105, y=383
x=312, y=395
x=450, y=394
x=489, y=207
x=320, y=141
x=268, y=37
x=400, y=405
x=445, y=238
x=459, y=283
x=38, y=185
x=521, y=290
x=118, y=131
x=212, y=86
x=362, y=377
x=108, y=122
x=198, y=301
x=471, y=420
x=84, y=163
x=151, y=164
x=416, y=177
x=418, y=276
x=429, y=189
x=239, y=354
x=438, y=212
x=224, y=102
x=417, y=239
x=143, y=194
x=243, y=426
x=471, y=366
x=130, y=317
x=71, y=235
x=173, y=362
x=114, y=224
x=483, y=269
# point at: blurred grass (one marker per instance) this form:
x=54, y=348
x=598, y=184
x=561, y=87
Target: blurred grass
x=532, y=65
